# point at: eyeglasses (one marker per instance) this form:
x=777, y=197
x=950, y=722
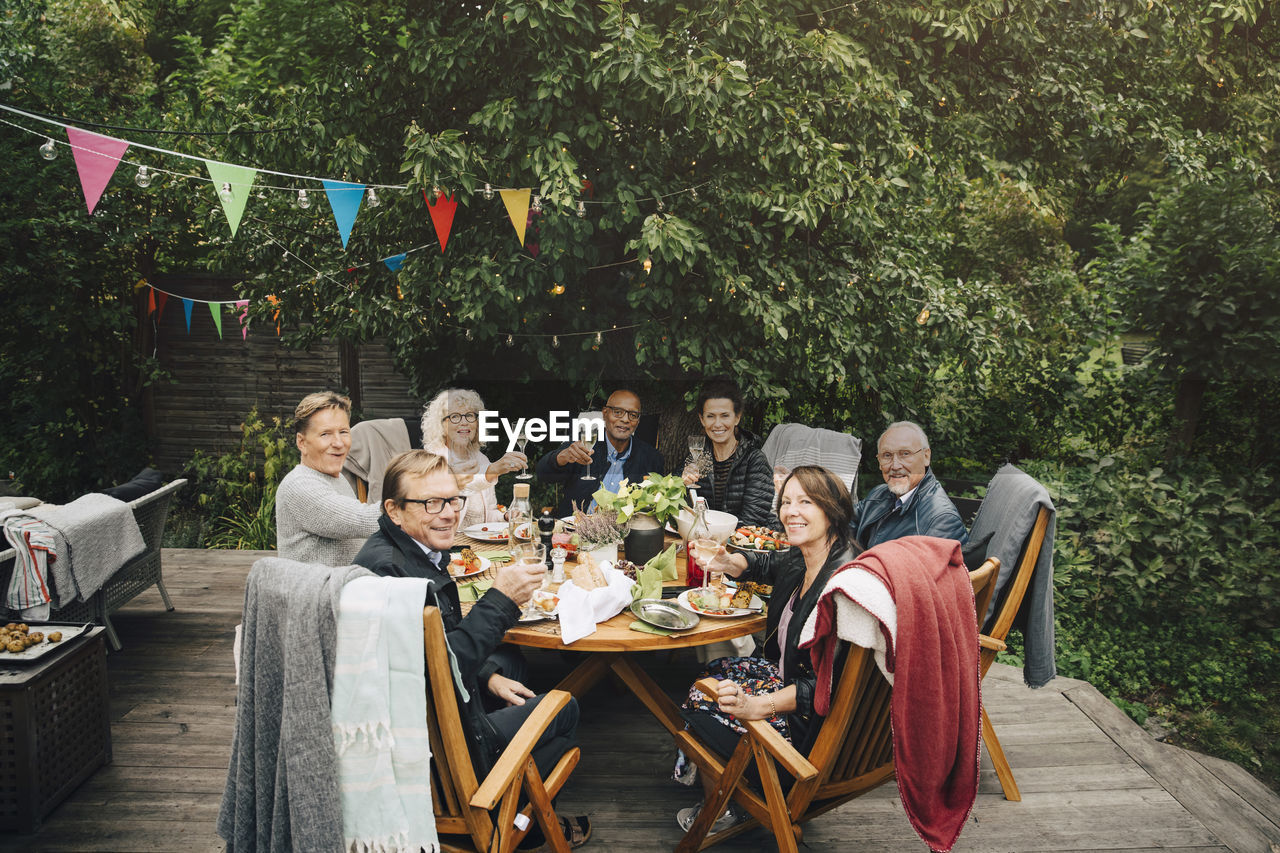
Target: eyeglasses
x=459, y=417
x=435, y=506
x=887, y=458
x=625, y=414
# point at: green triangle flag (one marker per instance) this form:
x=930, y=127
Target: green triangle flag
x=215, y=308
x=240, y=179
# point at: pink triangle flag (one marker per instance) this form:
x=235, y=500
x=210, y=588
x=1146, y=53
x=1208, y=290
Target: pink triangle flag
x=96, y=160
x=243, y=307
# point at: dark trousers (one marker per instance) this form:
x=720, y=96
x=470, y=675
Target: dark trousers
x=559, y=738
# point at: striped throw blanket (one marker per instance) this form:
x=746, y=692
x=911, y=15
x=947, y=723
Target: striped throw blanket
x=33, y=544
x=379, y=718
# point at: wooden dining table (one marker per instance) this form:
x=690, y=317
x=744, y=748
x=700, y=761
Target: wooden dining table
x=615, y=647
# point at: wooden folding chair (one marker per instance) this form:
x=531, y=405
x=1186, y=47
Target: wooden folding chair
x=994, y=642
x=463, y=805
x=853, y=754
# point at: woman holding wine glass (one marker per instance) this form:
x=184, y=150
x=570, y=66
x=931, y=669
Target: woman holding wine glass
x=451, y=428
x=730, y=470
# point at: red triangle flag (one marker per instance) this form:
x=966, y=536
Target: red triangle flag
x=151, y=301
x=160, y=304
x=441, y=215
x=96, y=160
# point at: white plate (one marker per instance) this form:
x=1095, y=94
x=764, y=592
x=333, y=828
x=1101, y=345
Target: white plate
x=567, y=523
x=485, y=565
x=754, y=607
x=744, y=549
x=494, y=531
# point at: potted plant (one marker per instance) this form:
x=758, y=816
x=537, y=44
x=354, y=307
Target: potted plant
x=598, y=533
x=644, y=507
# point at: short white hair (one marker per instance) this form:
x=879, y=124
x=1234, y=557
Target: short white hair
x=911, y=425
x=434, y=413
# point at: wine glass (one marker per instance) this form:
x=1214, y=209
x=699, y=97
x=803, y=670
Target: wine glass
x=532, y=554
x=697, y=454
x=521, y=442
x=589, y=446
x=707, y=551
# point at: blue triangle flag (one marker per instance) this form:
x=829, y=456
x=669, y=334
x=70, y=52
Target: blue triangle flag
x=186, y=306
x=395, y=261
x=344, y=199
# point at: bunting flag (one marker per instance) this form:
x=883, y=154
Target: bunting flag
x=275, y=303
x=160, y=301
x=517, y=204
x=442, y=211
x=243, y=307
x=151, y=302
x=96, y=160
x=215, y=308
x=186, y=307
x=344, y=200
x=240, y=179
x=396, y=261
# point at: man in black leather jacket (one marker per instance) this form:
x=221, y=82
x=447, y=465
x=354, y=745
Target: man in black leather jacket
x=421, y=507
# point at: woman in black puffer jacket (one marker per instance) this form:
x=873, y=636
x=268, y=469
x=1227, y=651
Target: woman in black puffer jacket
x=735, y=477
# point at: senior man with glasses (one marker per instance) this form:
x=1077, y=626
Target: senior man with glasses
x=911, y=502
x=619, y=456
x=420, y=508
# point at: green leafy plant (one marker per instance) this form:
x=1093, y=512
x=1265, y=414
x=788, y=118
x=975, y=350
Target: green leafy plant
x=656, y=495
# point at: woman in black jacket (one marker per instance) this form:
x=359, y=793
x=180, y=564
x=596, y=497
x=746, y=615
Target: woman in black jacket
x=736, y=477
x=420, y=511
x=814, y=509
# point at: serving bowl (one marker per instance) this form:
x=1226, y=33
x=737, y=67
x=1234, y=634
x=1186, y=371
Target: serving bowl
x=722, y=524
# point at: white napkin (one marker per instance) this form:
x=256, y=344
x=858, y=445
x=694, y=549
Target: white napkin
x=581, y=610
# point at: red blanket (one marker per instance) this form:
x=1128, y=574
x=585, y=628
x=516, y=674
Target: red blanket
x=934, y=661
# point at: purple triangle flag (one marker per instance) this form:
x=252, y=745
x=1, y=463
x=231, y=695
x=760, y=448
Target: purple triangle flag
x=186, y=307
x=96, y=160
x=344, y=200
x=395, y=261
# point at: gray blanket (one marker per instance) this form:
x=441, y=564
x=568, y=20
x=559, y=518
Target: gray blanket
x=96, y=535
x=282, y=783
x=1006, y=516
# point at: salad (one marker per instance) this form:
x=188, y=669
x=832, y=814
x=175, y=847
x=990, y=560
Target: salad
x=759, y=539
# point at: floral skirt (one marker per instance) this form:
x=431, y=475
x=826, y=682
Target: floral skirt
x=755, y=676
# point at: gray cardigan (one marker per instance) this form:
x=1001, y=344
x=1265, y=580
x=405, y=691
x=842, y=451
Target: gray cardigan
x=282, y=783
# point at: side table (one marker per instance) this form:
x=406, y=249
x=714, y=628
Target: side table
x=55, y=728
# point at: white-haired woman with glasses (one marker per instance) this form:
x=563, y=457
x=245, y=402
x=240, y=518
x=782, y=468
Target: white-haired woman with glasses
x=451, y=428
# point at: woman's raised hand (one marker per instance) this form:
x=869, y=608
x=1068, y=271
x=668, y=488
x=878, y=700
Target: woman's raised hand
x=508, y=462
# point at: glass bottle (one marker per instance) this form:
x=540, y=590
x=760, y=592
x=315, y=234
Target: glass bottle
x=546, y=530
x=520, y=516
x=699, y=530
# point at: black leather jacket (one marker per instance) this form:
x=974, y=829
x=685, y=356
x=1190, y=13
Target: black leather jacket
x=748, y=493
x=785, y=570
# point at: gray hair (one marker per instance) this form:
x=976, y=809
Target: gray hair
x=911, y=425
x=433, y=415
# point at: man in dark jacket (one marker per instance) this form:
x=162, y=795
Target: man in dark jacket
x=912, y=501
x=421, y=507
x=619, y=456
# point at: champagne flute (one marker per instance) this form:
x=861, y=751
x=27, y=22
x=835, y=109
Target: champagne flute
x=590, y=448
x=707, y=550
x=521, y=442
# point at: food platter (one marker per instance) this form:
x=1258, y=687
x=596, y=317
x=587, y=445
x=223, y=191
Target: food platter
x=456, y=560
x=752, y=608
x=663, y=614
x=494, y=531
x=39, y=650
x=758, y=540
x=762, y=590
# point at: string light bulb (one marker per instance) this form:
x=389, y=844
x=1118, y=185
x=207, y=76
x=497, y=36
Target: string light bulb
x=536, y=207
x=557, y=289
x=923, y=316
x=511, y=341
x=555, y=342
x=661, y=204
x=303, y=200
x=143, y=178
x=48, y=151
x=469, y=334
x=225, y=193
x=371, y=198
x=582, y=210
x=648, y=265
x=693, y=193
x=599, y=338
x=488, y=192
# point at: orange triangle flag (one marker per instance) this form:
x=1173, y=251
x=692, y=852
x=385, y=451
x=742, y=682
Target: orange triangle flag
x=517, y=202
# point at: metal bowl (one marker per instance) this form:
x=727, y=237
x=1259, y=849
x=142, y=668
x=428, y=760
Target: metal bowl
x=664, y=614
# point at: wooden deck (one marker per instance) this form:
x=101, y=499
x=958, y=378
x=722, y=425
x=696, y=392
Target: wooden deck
x=1091, y=779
